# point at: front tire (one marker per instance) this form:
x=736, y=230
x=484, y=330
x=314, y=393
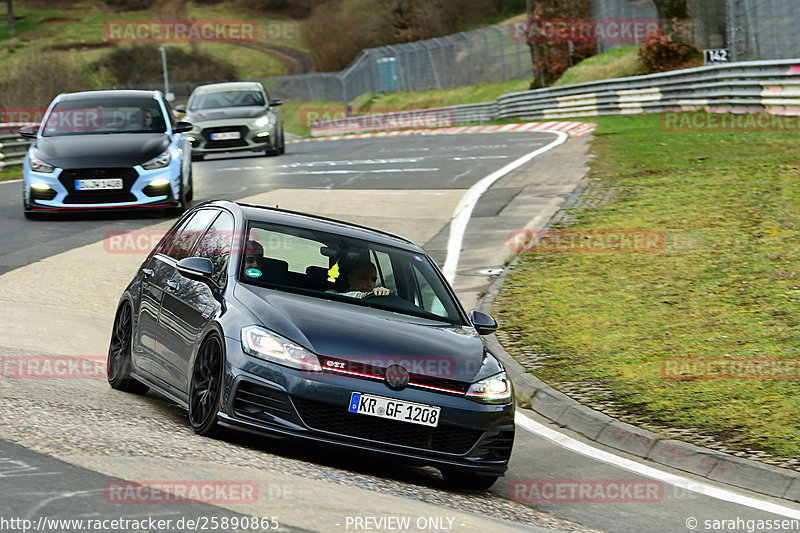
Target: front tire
x=190, y=192
x=205, y=389
x=119, y=364
x=179, y=209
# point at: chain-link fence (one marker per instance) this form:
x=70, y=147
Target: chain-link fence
x=487, y=55
x=749, y=29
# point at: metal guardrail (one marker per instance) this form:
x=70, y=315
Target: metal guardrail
x=13, y=146
x=747, y=87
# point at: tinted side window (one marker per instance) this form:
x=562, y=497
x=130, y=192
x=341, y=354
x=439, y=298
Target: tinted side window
x=184, y=239
x=216, y=245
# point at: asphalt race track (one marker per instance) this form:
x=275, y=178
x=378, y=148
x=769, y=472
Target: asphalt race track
x=65, y=442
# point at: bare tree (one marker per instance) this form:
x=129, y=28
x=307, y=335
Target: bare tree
x=10, y=17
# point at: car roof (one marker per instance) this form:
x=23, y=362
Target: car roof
x=229, y=86
x=108, y=94
x=287, y=217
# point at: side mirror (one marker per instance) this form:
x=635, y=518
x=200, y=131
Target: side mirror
x=29, y=132
x=275, y=102
x=182, y=127
x=180, y=108
x=484, y=324
x=196, y=268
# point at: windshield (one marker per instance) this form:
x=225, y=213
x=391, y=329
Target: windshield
x=348, y=270
x=226, y=99
x=107, y=115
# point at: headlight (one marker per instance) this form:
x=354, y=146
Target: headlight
x=160, y=161
x=259, y=342
x=494, y=389
x=261, y=121
x=37, y=165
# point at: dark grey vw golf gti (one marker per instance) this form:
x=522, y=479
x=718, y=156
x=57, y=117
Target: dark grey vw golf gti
x=294, y=325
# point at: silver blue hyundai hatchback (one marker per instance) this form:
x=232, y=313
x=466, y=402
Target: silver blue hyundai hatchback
x=107, y=150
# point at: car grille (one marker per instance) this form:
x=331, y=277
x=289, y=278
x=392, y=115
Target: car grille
x=206, y=133
x=333, y=419
x=253, y=400
x=128, y=175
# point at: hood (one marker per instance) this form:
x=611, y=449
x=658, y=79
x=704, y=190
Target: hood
x=100, y=150
x=368, y=337
x=224, y=113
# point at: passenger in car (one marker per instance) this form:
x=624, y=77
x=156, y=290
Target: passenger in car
x=361, y=282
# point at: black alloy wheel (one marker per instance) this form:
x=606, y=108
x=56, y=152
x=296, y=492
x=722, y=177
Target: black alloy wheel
x=119, y=362
x=206, y=387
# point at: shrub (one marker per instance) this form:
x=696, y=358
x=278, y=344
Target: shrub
x=142, y=64
x=670, y=49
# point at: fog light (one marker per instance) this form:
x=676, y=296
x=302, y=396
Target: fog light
x=160, y=182
x=190, y=138
x=40, y=186
x=263, y=134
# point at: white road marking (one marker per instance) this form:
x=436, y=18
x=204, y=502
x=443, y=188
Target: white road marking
x=648, y=471
x=10, y=181
x=378, y=171
x=458, y=225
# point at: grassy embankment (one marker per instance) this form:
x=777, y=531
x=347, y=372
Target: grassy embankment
x=724, y=286
x=76, y=31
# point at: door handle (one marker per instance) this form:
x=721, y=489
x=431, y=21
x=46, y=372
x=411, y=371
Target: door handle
x=148, y=272
x=172, y=285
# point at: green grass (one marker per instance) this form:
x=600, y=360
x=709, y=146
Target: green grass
x=77, y=32
x=11, y=173
x=725, y=285
x=616, y=63
x=444, y=97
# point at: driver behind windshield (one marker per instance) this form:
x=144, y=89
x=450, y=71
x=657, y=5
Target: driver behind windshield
x=361, y=282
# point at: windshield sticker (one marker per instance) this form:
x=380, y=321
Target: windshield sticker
x=418, y=258
x=333, y=273
x=252, y=273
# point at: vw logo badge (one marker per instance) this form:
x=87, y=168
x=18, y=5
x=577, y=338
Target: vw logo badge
x=396, y=377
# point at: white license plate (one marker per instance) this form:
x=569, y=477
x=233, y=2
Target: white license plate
x=415, y=413
x=98, y=185
x=226, y=136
